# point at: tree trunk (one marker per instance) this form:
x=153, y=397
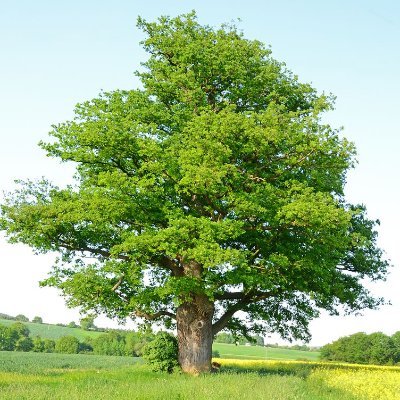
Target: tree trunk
x=194, y=325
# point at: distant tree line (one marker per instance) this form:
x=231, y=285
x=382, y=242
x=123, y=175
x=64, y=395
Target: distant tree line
x=21, y=318
x=86, y=323
x=360, y=348
x=224, y=337
x=16, y=337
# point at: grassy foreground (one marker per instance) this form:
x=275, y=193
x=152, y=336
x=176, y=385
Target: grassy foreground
x=44, y=376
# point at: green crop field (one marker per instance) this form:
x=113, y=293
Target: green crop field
x=37, y=376
x=264, y=353
x=53, y=331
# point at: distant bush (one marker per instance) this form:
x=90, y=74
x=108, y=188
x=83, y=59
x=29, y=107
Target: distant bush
x=87, y=323
x=67, y=345
x=13, y=337
x=215, y=353
x=6, y=316
x=110, y=344
x=121, y=343
x=43, y=345
x=20, y=329
x=21, y=318
x=162, y=353
x=224, y=337
x=23, y=344
x=7, y=339
x=49, y=345
x=37, y=320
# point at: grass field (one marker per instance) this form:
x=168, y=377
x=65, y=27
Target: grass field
x=263, y=353
x=46, y=376
x=53, y=331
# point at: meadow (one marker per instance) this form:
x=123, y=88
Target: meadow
x=42, y=376
x=232, y=351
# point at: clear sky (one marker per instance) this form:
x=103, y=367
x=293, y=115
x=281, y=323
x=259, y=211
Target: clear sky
x=55, y=54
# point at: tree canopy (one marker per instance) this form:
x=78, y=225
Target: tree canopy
x=375, y=348
x=214, y=187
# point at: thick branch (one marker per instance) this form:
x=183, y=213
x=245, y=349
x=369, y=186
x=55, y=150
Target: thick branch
x=168, y=263
x=223, y=321
x=230, y=296
x=244, y=299
x=100, y=252
x=152, y=317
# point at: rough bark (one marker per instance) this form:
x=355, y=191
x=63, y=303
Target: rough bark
x=195, y=336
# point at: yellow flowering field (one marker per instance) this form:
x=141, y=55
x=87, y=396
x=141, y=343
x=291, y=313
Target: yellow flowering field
x=367, y=382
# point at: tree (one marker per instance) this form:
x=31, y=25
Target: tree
x=24, y=344
x=20, y=330
x=38, y=344
x=376, y=348
x=37, y=320
x=67, y=345
x=7, y=338
x=87, y=323
x=214, y=189
x=21, y=318
x=396, y=343
x=49, y=345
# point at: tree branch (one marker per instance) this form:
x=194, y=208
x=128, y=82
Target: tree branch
x=244, y=299
x=224, y=319
x=229, y=296
x=152, y=317
x=116, y=286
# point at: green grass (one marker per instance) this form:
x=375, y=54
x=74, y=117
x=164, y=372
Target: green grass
x=259, y=352
x=53, y=331
x=46, y=376
x=33, y=363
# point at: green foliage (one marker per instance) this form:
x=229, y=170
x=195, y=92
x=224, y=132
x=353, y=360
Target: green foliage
x=49, y=345
x=67, y=345
x=225, y=337
x=23, y=344
x=21, y=318
x=162, y=353
x=37, y=320
x=87, y=323
x=7, y=338
x=216, y=354
x=376, y=348
x=38, y=345
x=6, y=316
x=15, y=337
x=111, y=343
x=216, y=178
x=121, y=343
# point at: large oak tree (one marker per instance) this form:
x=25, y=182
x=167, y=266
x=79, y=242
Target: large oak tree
x=213, y=189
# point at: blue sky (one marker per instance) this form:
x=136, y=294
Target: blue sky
x=55, y=54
